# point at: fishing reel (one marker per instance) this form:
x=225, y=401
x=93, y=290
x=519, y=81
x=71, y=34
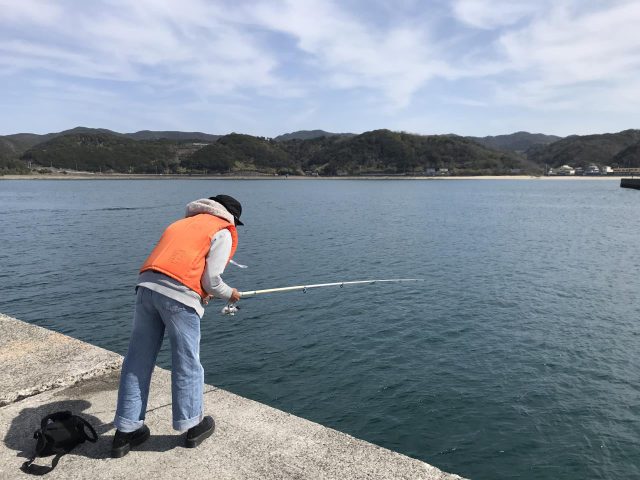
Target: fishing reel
x=230, y=309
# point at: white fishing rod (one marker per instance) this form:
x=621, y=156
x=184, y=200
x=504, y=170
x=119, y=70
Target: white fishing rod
x=231, y=308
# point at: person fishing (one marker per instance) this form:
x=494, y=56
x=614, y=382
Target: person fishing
x=177, y=280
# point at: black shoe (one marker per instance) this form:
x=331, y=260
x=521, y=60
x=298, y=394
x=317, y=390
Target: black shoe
x=196, y=435
x=122, y=442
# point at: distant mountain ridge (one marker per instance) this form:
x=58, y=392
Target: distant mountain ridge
x=378, y=152
x=100, y=151
x=516, y=142
x=324, y=153
x=614, y=149
x=309, y=135
x=23, y=141
x=172, y=135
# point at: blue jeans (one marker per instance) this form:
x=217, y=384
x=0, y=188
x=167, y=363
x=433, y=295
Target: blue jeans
x=154, y=314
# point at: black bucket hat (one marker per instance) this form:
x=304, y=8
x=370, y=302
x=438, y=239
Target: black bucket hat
x=231, y=204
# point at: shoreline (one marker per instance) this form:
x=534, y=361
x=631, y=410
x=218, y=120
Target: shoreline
x=116, y=176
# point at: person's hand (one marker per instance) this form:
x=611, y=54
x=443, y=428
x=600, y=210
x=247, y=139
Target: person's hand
x=206, y=299
x=235, y=296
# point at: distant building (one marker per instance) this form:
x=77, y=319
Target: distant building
x=607, y=170
x=592, y=170
x=565, y=170
x=626, y=171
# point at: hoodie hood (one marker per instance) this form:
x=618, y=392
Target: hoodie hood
x=205, y=205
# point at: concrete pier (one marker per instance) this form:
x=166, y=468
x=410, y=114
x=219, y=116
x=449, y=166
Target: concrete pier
x=630, y=183
x=43, y=372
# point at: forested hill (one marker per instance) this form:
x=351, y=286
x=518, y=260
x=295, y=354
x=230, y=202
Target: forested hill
x=309, y=135
x=628, y=157
x=376, y=152
x=23, y=141
x=18, y=143
x=516, y=142
x=104, y=152
x=614, y=149
x=387, y=152
x=9, y=154
x=99, y=149
x=172, y=135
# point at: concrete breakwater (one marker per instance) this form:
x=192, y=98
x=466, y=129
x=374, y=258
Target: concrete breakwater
x=630, y=183
x=44, y=372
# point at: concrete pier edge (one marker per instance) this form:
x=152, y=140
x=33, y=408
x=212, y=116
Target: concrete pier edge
x=44, y=371
x=630, y=183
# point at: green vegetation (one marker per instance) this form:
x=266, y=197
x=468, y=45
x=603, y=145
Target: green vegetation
x=516, y=142
x=379, y=152
x=582, y=151
x=237, y=152
x=172, y=135
x=309, y=135
x=376, y=152
x=9, y=163
x=104, y=152
x=9, y=166
x=387, y=152
x=628, y=157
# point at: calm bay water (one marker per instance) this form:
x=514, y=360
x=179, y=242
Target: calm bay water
x=518, y=357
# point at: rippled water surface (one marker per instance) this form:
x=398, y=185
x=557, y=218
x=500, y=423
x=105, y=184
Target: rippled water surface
x=517, y=357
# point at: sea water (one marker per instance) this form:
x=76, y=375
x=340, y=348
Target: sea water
x=517, y=357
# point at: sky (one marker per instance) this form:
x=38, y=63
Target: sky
x=268, y=67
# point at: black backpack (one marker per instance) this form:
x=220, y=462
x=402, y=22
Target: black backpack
x=59, y=433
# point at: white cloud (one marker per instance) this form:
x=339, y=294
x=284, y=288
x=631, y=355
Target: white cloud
x=489, y=14
x=396, y=61
x=565, y=55
x=26, y=55
x=31, y=11
x=187, y=44
x=219, y=49
x=231, y=56
x=577, y=57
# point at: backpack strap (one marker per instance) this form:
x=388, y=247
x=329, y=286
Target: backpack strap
x=83, y=423
x=28, y=467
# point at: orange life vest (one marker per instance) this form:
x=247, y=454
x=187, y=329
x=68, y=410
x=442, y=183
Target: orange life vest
x=183, y=248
